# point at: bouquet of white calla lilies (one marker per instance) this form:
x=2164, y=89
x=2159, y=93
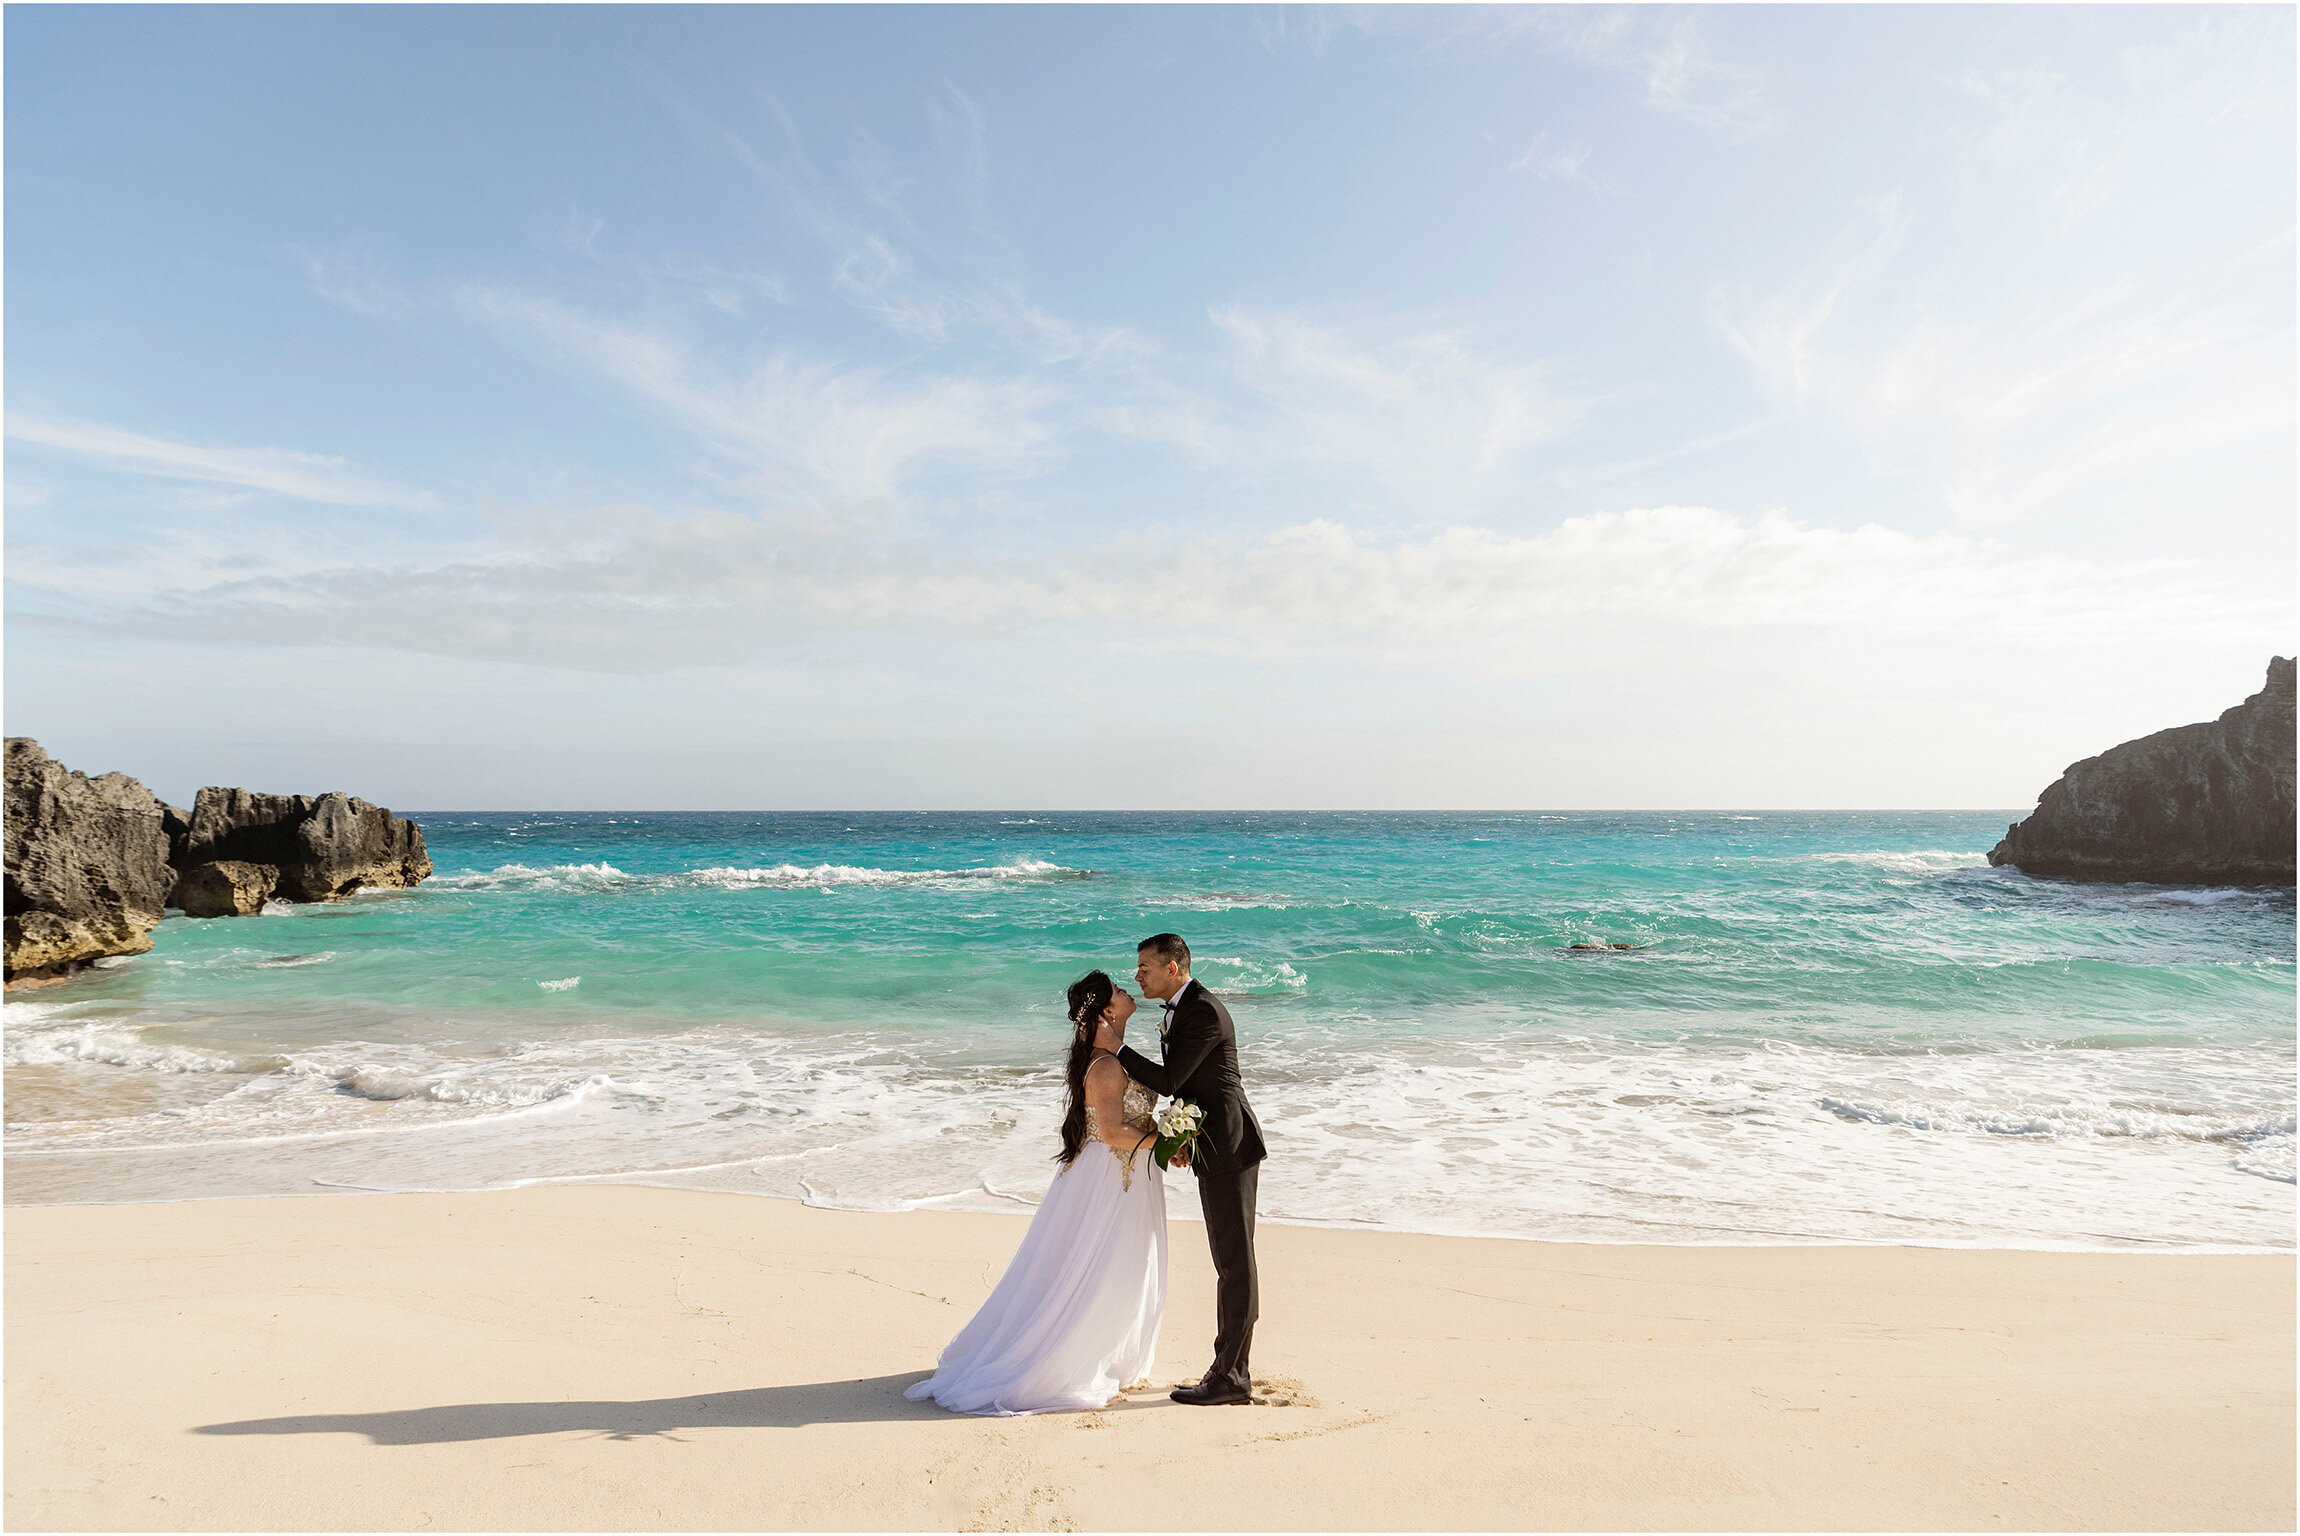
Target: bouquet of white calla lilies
x=1178, y=1125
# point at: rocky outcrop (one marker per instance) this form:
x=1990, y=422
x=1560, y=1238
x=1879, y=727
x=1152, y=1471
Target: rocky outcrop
x=224, y=888
x=2207, y=804
x=321, y=846
x=177, y=823
x=93, y=863
x=87, y=864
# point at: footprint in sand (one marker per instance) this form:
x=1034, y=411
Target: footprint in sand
x=1282, y=1392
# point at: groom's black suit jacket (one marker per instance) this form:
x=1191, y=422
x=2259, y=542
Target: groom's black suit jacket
x=1201, y=1064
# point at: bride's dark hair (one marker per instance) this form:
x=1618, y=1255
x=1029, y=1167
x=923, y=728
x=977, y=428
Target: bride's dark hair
x=1090, y=994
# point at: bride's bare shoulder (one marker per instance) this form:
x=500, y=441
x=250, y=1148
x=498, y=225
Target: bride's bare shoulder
x=1104, y=1069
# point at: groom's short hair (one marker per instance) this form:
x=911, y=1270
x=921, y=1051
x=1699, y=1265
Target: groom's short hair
x=1166, y=946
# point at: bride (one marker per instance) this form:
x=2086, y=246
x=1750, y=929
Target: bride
x=1074, y=1320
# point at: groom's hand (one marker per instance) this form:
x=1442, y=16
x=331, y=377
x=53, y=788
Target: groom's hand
x=1181, y=1157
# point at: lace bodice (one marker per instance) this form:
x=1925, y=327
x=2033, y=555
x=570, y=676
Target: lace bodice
x=1137, y=1105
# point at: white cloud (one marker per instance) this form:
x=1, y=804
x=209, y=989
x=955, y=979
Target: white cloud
x=2057, y=310
x=636, y=593
x=1688, y=566
x=2030, y=411
x=825, y=429
x=1276, y=26
x=1553, y=161
x=669, y=277
x=276, y=471
x=2019, y=398
x=2088, y=133
x=1443, y=427
x=1779, y=332
x=1680, y=73
x=356, y=284
x=918, y=247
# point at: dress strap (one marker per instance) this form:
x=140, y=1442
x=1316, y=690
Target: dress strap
x=1113, y=1055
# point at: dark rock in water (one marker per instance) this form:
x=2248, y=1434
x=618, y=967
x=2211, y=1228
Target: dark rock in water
x=224, y=888
x=2207, y=804
x=87, y=864
x=93, y=863
x=323, y=846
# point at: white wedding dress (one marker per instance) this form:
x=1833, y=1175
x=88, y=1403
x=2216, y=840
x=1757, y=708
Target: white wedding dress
x=1074, y=1320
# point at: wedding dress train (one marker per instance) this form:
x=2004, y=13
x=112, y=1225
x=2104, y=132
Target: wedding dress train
x=1074, y=1320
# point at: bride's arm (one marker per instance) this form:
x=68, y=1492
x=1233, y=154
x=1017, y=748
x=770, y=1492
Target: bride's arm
x=1106, y=1091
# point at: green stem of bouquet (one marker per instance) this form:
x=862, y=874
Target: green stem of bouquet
x=1169, y=1145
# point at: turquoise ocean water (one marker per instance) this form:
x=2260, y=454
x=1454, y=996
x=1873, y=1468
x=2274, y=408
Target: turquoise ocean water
x=1838, y=1026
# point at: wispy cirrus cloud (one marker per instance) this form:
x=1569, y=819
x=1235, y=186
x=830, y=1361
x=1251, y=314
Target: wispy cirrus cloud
x=1438, y=423
x=916, y=246
x=1666, y=50
x=2031, y=410
x=1414, y=413
x=1418, y=415
x=2085, y=138
x=2014, y=400
x=1552, y=159
x=1779, y=329
x=2066, y=364
x=836, y=430
x=272, y=471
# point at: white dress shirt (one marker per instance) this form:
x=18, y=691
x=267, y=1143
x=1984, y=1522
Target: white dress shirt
x=1166, y=1017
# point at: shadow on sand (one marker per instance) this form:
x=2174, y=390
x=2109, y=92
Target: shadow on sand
x=868, y=1400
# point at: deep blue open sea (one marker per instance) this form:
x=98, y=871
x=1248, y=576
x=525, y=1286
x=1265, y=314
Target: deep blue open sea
x=1839, y=1026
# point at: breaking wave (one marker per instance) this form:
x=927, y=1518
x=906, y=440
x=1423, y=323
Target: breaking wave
x=390, y=1087
x=2017, y=1119
x=282, y=1095
x=606, y=877
x=117, y=1048
x=1919, y=861
x=1232, y=977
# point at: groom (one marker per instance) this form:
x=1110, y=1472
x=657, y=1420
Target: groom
x=1200, y=1047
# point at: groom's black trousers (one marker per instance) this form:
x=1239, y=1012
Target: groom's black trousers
x=1227, y=1199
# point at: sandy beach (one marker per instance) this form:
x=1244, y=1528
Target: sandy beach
x=599, y=1358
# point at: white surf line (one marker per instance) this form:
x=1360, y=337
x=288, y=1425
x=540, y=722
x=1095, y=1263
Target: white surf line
x=982, y=1188
x=529, y=1183
x=630, y=1173
x=560, y=1101
x=815, y=1199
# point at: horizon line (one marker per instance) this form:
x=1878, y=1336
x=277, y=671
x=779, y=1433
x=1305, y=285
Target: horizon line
x=1496, y=810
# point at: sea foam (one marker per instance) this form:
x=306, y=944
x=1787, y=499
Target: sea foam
x=1591, y=1137
x=607, y=878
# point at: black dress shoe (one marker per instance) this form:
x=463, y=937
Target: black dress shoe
x=1210, y=1394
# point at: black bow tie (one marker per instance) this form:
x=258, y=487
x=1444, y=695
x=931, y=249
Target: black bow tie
x=1168, y=1006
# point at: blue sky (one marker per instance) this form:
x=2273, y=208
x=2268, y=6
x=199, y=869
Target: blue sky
x=1053, y=407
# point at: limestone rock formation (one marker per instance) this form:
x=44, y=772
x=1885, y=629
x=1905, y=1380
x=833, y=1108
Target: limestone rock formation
x=87, y=864
x=323, y=846
x=224, y=888
x=93, y=863
x=2206, y=804
x=177, y=823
